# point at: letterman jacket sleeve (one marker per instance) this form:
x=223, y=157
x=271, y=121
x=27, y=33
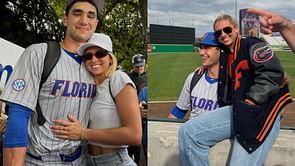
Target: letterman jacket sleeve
x=267, y=73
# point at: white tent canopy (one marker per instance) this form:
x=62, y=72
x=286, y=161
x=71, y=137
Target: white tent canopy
x=9, y=54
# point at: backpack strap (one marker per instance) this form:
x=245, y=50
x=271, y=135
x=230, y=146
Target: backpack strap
x=194, y=81
x=110, y=90
x=51, y=58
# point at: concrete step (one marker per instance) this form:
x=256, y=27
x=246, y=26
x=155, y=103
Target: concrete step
x=163, y=147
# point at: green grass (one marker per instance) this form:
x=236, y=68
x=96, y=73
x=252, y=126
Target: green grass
x=168, y=71
x=287, y=59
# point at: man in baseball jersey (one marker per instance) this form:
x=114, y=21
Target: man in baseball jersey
x=68, y=90
x=203, y=97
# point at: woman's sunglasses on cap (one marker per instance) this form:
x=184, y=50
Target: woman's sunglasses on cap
x=98, y=54
x=226, y=30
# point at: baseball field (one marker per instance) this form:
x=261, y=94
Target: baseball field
x=168, y=71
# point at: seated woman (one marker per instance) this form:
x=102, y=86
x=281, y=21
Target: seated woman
x=115, y=120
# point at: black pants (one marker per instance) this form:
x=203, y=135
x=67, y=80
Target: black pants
x=139, y=152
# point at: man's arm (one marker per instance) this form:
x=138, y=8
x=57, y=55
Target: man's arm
x=171, y=116
x=177, y=113
x=16, y=135
x=14, y=156
x=183, y=104
x=288, y=34
x=272, y=22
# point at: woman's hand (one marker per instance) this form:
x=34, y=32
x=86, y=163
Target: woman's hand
x=143, y=110
x=70, y=129
x=286, y=80
x=249, y=102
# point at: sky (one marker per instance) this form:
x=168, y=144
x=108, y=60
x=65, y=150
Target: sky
x=200, y=14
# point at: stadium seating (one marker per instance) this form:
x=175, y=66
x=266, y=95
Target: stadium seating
x=276, y=42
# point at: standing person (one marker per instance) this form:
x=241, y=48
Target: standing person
x=139, y=77
x=143, y=101
x=250, y=100
x=203, y=96
x=138, y=74
x=272, y=22
x=114, y=114
x=143, y=106
x=68, y=90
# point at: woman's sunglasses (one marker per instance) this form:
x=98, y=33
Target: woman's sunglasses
x=98, y=54
x=226, y=30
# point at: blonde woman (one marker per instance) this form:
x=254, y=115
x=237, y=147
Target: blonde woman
x=114, y=114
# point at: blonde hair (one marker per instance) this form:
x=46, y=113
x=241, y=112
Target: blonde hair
x=113, y=65
x=225, y=17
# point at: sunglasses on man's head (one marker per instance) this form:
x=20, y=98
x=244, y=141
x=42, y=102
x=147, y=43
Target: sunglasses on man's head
x=226, y=30
x=97, y=54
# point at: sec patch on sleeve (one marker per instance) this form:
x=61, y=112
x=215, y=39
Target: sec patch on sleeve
x=18, y=84
x=261, y=53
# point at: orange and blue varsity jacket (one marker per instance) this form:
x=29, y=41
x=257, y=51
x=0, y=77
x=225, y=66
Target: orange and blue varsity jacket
x=252, y=71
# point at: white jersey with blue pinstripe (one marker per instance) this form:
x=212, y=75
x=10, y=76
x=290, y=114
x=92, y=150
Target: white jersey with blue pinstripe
x=203, y=96
x=68, y=90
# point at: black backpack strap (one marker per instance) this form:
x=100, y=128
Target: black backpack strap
x=194, y=81
x=110, y=90
x=51, y=58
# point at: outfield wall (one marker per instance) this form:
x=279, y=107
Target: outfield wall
x=172, y=48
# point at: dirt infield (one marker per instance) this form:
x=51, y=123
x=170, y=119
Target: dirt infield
x=162, y=109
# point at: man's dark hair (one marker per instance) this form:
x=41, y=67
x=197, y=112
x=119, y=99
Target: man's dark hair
x=68, y=8
x=71, y=5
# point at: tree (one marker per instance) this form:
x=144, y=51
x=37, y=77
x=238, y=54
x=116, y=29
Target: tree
x=31, y=21
x=28, y=21
x=125, y=22
x=58, y=6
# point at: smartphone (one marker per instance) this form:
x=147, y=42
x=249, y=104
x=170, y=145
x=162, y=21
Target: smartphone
x=249, y=24
x=144, y=104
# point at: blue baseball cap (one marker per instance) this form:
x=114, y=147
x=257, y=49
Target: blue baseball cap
x=208, y=39
x=138, y=60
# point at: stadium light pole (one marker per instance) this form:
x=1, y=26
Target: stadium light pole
x=236, y=9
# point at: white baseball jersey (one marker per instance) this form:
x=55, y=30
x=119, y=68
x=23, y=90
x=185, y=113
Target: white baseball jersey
x=68, y=90
x=203, y=96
